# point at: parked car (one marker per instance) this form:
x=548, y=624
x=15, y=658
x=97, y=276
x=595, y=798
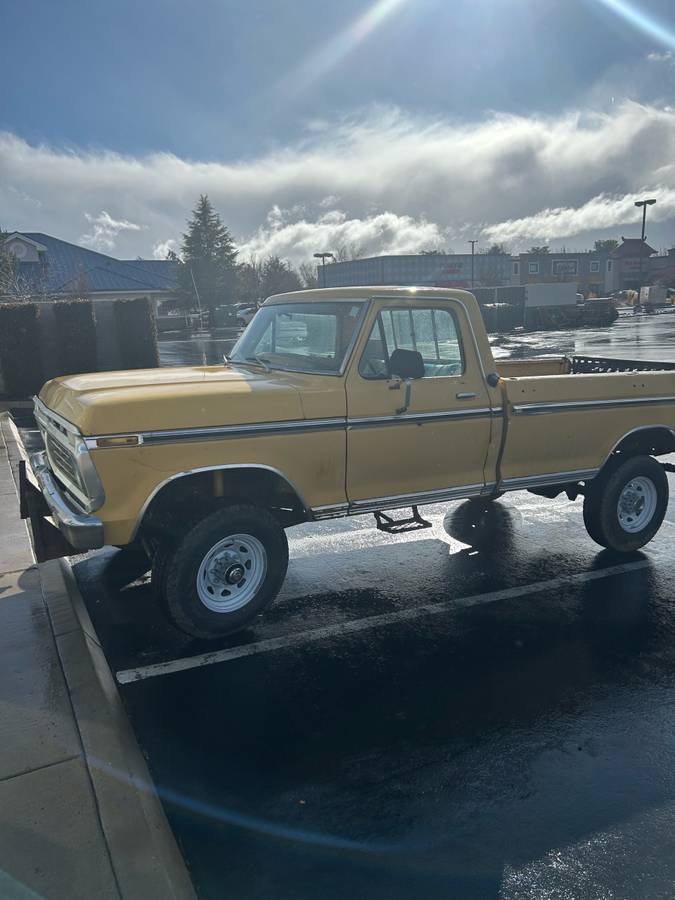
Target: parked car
x=245, y=315
x=336, y=403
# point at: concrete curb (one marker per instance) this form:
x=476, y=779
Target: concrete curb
x=145, y=856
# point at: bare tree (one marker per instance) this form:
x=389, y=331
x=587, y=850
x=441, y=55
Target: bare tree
x=308, y=275
x=347, y=252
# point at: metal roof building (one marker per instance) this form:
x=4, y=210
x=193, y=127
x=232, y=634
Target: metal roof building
x=49, y=267
x=432, y=269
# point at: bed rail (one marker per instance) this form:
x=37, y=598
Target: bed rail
x=587, y=365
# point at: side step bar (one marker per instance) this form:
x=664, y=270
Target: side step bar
x=399, y=526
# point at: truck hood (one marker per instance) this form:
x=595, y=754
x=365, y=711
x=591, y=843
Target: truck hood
x=159, y=399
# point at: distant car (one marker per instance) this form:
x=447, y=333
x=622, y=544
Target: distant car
x=244, y=316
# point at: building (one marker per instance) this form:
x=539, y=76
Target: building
x=635, y=265
x=433, y=269
x=600, y=272
x=49, y=268
x=591, y=270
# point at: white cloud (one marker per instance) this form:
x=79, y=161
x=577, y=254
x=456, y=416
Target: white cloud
x=161, y=248
x=599, y=213
x=105, y=230
x=667, y=57
x=299, y=238
x=383, y=180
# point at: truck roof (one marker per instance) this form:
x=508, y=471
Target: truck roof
x=318, y=295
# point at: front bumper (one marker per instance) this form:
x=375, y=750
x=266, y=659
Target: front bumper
x=42, y=498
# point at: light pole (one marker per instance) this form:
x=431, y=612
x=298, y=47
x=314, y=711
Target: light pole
x=644, y=204
x=323, y=257
x=473, y=254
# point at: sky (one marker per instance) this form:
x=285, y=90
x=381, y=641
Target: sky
x=382, y=126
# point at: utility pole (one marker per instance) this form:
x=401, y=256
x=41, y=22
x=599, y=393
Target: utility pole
x=644, y=204
x=473, y=255
x=323, y=257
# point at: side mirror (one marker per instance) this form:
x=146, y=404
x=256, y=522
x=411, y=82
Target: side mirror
x=406, y=364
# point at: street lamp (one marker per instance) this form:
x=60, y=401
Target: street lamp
x=323, y=257
x=644, y=204
x=473, y=254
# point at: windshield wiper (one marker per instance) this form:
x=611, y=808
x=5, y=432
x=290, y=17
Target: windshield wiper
x=265, y=363
x=251, y=361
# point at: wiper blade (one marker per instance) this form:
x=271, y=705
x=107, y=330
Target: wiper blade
x=265, y=363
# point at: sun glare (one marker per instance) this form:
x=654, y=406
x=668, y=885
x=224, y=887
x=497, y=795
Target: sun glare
x=330, y=54
x=642, y=20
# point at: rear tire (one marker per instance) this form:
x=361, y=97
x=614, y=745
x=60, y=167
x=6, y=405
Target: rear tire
x=223, y=571
x=624, y=507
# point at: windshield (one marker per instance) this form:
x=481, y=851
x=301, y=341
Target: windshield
x=301, y=337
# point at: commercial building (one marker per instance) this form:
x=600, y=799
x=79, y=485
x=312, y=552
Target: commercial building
x=590, y=270
x=432, y=269
x=600, y=272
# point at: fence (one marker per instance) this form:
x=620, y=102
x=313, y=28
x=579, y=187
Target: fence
x=39, y=341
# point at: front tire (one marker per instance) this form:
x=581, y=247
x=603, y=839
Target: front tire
x=624, y=508
x=223, y=571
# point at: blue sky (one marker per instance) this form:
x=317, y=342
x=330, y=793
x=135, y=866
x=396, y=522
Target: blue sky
x=246, y=84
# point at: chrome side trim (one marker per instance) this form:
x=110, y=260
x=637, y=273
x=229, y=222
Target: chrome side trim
x=420, y=498
x=151, y=496
x=420, y=418
x=332, y=511
x=217, y=432
x=528, y=481
x=537, y=409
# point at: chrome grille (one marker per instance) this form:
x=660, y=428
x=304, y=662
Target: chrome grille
x=62, y=461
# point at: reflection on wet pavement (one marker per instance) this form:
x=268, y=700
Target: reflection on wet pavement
x=643, y=337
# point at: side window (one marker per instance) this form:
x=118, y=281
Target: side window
x=432, y=332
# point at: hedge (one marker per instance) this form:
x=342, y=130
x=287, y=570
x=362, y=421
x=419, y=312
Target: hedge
x=20, y=349
x=137, y=333
x=76, y=336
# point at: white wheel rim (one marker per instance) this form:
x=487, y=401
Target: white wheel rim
x=231, y=573
x=637, y=504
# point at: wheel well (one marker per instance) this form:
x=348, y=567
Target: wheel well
x=202, y=492
x=652, y=441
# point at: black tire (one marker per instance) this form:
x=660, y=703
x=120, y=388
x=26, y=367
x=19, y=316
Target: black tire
x=601, y=504
x=177, y=565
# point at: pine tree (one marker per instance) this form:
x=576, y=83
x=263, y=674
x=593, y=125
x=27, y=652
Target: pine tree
x=208, y=258
x=278, y=277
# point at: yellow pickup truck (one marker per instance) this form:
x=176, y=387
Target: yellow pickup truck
x=335, y=403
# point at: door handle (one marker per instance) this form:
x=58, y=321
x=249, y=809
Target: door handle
x=466, y=395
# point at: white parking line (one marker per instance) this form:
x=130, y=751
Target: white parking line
x=125, y=676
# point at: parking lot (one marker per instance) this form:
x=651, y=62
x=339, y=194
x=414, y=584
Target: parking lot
x=483, y=709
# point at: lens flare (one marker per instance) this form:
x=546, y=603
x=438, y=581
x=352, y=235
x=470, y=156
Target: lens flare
x=331, y=54
x=642, y=20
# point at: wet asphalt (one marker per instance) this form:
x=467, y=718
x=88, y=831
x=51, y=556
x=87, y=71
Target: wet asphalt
x=503, y=740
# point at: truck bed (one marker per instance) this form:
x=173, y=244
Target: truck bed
x=557, y=424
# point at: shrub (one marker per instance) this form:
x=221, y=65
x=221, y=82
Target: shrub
x=136, y=333
x=75, y=329
x=20, y=356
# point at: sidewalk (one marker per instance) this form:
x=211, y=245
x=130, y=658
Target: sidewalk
x=79, y=816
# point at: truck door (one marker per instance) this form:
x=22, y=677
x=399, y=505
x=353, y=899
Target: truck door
x=440, y=442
